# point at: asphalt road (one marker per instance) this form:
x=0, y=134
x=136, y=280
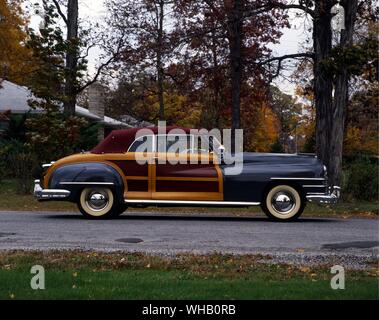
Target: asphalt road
x=169, y=234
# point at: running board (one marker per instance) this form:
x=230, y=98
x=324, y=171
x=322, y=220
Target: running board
x=184, y=202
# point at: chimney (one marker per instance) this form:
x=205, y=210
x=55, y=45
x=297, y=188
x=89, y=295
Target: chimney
x=96, y=105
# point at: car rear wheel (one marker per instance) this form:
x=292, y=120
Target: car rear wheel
x=283, y=203
x=97, y=203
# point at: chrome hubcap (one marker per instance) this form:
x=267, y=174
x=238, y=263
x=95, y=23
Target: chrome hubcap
x=283, y=202
x=97, y=200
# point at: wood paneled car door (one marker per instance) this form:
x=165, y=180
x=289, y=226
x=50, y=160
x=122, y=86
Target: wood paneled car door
x=137, y=171
x=191, y=175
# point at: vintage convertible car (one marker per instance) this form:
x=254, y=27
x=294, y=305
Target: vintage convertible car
x=109, y=178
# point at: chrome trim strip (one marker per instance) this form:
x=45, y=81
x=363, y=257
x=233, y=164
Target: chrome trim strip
x=219, y=203
x=40, y=193
x=84, y=182
x=331, y=197
x=314, y=186
x=146, y=135
x=46, y=165
x=292, y=178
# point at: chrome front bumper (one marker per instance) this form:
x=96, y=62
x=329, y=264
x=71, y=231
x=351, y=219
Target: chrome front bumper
x=45, y=194
x=331, y=197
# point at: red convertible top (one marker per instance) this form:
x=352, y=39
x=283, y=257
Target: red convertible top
x=118, y=141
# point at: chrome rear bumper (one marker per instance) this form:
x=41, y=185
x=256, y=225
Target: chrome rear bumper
x=331, y=197
x=45, y=194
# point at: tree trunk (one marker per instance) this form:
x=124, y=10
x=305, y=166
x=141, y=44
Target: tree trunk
x=71, y=57
x=323, y=84
x=159, y=61
x=235, y=24
x=341, y=97
x=216, y=84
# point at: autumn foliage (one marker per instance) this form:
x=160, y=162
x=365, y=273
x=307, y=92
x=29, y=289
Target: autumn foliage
x=191, y=63
x=15, y=59
x=184, y=64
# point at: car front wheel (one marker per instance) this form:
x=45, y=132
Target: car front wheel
x=97, y=203
x=283, y=203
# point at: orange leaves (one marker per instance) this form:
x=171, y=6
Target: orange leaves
x=359, y=141
x=260, y=129
x=179, y=110
x=15, y=58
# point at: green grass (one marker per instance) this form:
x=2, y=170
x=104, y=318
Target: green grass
x=80, y=275
x=11, y=200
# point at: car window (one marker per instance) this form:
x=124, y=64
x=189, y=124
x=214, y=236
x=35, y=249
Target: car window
x=174, y=143
x=207, y=143
x=142, y=144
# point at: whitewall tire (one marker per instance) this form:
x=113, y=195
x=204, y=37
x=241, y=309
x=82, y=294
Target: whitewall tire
x=97, y=203
x=283, y=203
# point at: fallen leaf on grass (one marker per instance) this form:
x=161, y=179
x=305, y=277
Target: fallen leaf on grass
x=305, y=269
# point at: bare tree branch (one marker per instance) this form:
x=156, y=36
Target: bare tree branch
x=113, y=57
x=288, y=56
x=60, y=11
x=98, y=72
x=270, y=5
x=282, y=58
x=89, y=47
x=295, y=6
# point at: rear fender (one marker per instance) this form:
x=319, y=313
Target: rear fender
x=74, y=177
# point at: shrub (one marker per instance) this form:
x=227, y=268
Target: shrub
x=19, y=163
x=3, y=166
x=8, y=147
x=23, y=166
x=277, y=147
x=361, y=180
x=17, y=129
x=51, y=135
x=35, y=139
x=89, y=136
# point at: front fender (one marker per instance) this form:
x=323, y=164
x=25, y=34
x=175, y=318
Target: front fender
x=74, y=177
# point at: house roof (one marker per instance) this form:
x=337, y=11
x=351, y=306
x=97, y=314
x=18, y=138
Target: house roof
x=15, y=98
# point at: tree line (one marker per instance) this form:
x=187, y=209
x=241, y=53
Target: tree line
x=208, y=63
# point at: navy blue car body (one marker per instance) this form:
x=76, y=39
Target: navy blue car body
x=261, y=170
